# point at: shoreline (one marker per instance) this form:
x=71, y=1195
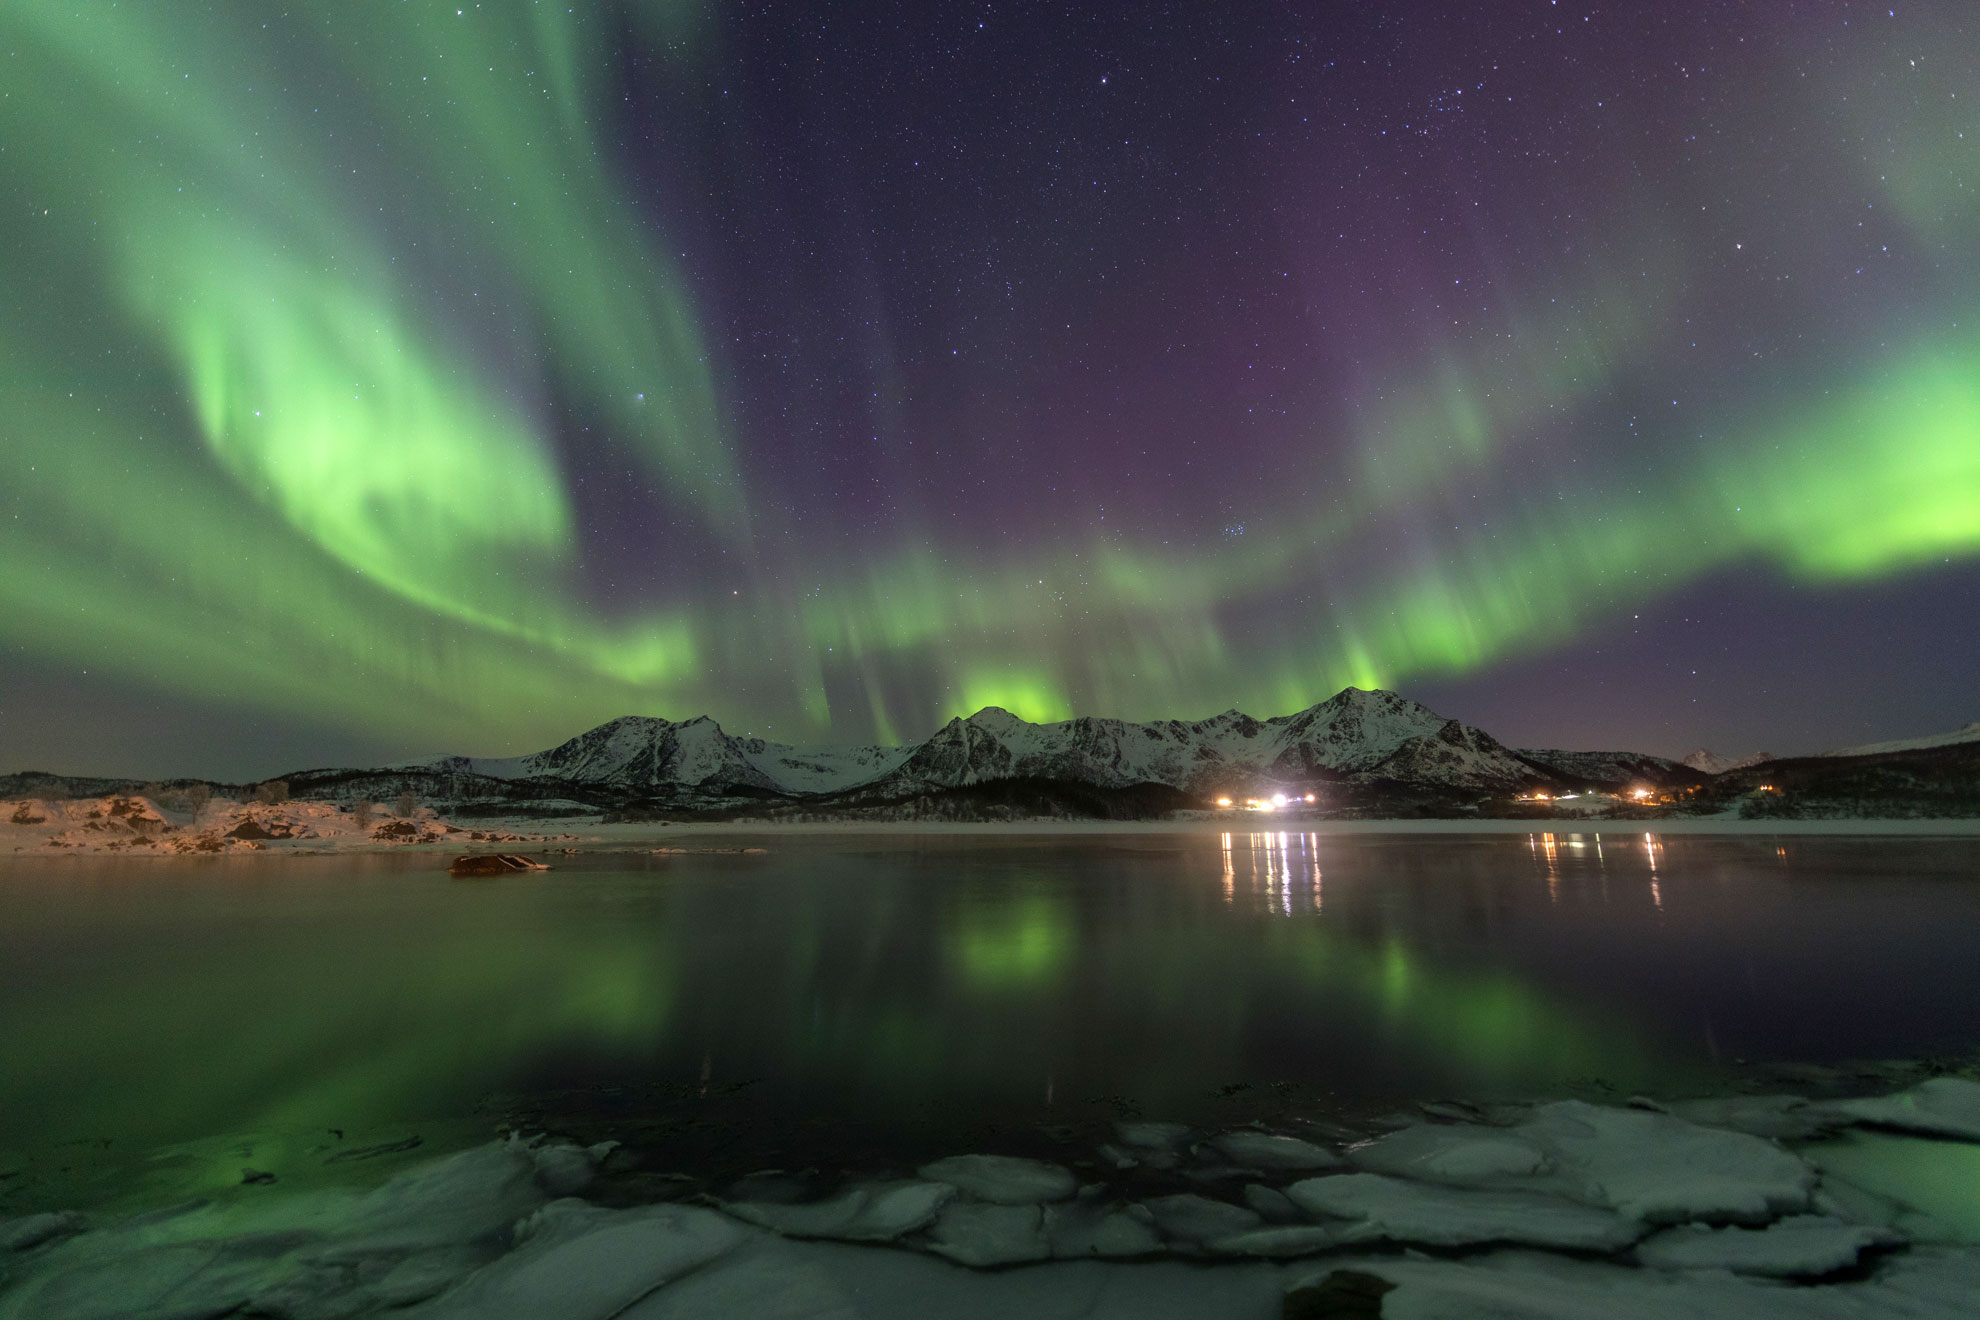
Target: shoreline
x=133, y=825
x=1707, y=825
x=571, y=836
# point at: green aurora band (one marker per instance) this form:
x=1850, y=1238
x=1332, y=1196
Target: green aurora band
x=353, y=505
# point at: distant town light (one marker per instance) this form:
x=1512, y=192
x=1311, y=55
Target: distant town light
x=1223, y=802
x=1278, y=799
x=1309, y=797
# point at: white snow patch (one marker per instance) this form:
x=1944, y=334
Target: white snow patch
x=1967, y=734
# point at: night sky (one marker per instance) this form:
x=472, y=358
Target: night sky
x=386, y=379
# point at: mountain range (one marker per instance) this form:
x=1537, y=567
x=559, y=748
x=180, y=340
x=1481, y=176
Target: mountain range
x=1357, y=736
x=1366, y=753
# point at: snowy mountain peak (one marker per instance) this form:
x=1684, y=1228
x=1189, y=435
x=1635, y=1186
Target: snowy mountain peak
x=1707, y=761
x=1357, y=733
x=997, y=720
x=1374, y=734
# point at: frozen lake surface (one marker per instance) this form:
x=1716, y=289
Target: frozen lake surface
x=1280, y=1051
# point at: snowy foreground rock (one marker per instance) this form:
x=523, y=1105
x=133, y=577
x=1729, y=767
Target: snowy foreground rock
x=1563, y=1210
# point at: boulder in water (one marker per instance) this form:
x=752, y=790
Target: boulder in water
x=494, y=864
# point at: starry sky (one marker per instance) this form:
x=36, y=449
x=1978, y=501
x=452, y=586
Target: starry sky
x=389, y=378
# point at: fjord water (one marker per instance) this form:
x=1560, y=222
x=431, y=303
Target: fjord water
x=837, y=999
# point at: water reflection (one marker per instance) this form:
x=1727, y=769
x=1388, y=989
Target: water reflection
x=1280, y=869
x=913, y=984
x=1026, y=942
x=1556, y=856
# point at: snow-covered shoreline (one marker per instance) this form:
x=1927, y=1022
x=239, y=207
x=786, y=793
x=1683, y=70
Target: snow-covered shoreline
x=135, y=826
x=1276, y=824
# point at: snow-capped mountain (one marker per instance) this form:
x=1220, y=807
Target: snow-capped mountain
x=643, y=752
x=1707, y=761
x=1367, y=736
x=1971, y=733
x=820, y=769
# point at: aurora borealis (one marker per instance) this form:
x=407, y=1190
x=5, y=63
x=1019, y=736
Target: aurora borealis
x=401, y=377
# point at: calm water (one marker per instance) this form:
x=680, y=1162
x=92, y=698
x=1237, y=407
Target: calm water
x=167, y=1023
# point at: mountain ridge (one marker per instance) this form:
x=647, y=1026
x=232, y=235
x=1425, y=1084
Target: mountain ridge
x=1366, y=753
x=1357, y=735
x=1709, y=762
x=1966, y=734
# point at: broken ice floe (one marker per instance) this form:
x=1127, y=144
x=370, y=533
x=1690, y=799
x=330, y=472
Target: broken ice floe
x=878, y=1212
x=1003, y=1179
x=1798, y=1247
x=1563, y=1209
x=1643, y=1165
x=1269, y=1151
x=1372, y=1207
x=1942, y=1107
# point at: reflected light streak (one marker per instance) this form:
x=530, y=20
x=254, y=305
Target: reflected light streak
x=1314, y=844
x=1285, y=877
